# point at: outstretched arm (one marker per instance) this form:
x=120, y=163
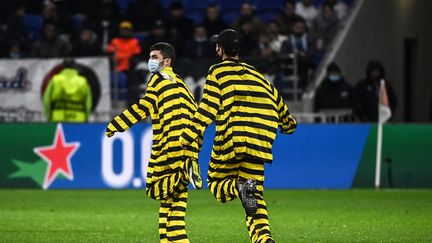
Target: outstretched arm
x=205, y=114
x=144, y=108
x=286, y=122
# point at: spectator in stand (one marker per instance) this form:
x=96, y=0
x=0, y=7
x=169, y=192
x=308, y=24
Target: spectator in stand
x=144, y=13
x=15, y=51
x=124, y=47
x=267, y=56
x=276, y=38
x=247, y=16
x=86, y=45
x=213, y=22
x=105, y=22
x=266, y=51
x=50, y=45
x=61, y=21
x=334, y=92
x=178, y=23
x=287, y=18
x=4, y=43
x=249, y=41
x=325, y=27
x=199, y=47
x=367, y=91
x=340, y=7
x=307, y=10
x=16, y=28
x=300, y=44
x=159, y=33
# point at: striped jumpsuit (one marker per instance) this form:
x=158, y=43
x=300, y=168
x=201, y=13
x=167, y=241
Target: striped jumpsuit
x=170, y=105
x=247, y=111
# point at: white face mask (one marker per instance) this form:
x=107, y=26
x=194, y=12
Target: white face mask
x=154, y=65
x=334, y=77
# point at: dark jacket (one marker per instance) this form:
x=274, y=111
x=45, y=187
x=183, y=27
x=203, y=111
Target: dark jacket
x=367, y=91
x=335, y=95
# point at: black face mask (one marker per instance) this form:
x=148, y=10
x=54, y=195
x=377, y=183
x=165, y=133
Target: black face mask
x=217, y=54
x=298, y=35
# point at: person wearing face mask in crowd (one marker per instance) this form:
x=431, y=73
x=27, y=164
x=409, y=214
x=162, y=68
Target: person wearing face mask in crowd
x=367, y=90
x=199, y=47
x=170, y=105
x=334, y=92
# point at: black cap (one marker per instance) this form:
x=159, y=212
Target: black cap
x=228, y=39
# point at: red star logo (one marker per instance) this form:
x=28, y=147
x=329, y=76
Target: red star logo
x=58, y=157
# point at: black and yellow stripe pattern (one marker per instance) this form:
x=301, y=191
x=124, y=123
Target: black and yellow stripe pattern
x=170, y=105
x=172, y=213
x=247, y=111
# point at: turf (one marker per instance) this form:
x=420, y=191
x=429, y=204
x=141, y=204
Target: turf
x=295, y=216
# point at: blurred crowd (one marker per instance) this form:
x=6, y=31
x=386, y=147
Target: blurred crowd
x=126, y=28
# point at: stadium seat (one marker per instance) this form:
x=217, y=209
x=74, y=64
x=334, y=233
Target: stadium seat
x=229, y=16
x=34, y=24
x=166, y=3
x=123, y=4
x=268, y=16
x=230, y=5
x=76, y=22
x=122, y=85
x=196, y=15
x=140, y=37
x=196, y=4
x=195, y=9
x=266, y=5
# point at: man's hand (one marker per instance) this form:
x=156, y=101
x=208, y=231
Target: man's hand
x=109, y=133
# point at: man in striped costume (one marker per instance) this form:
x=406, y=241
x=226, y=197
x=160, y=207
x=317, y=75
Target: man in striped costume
x=170, y=105
x=247, y=111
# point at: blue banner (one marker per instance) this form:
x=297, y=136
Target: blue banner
x=315, y=156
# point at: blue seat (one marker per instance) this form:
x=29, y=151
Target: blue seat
x=76, y=22
x=196, y=4
x=196, y=16
x=140, y=37
x=268, y=16
x=230, y=5
x=229, y=16
x=34, y=24
x=265, y=5
x=123, y=4
x=166, y=3
x=122, y=85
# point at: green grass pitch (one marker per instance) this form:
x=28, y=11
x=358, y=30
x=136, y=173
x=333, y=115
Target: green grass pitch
x=295, y=216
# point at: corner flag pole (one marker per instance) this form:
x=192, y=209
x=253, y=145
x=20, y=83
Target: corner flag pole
x=384, y=114
x=378, y=156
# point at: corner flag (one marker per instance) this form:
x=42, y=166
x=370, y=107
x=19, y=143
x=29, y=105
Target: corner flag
x=384, y=114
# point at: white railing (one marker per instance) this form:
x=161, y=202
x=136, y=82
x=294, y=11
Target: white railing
x=325, y=116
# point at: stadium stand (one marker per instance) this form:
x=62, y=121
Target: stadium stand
x=70, y=24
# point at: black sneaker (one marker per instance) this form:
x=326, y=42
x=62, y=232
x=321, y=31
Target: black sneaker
x=247, y=196
x=195, y=174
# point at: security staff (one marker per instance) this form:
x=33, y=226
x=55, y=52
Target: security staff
x=68, y=97
x=170, y=105
x=247, y=111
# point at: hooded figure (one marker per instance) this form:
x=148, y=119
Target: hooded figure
x=367, y=91
x=334, y=92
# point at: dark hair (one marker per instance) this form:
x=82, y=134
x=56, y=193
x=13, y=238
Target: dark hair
x=166, y=50
x=231, y=52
